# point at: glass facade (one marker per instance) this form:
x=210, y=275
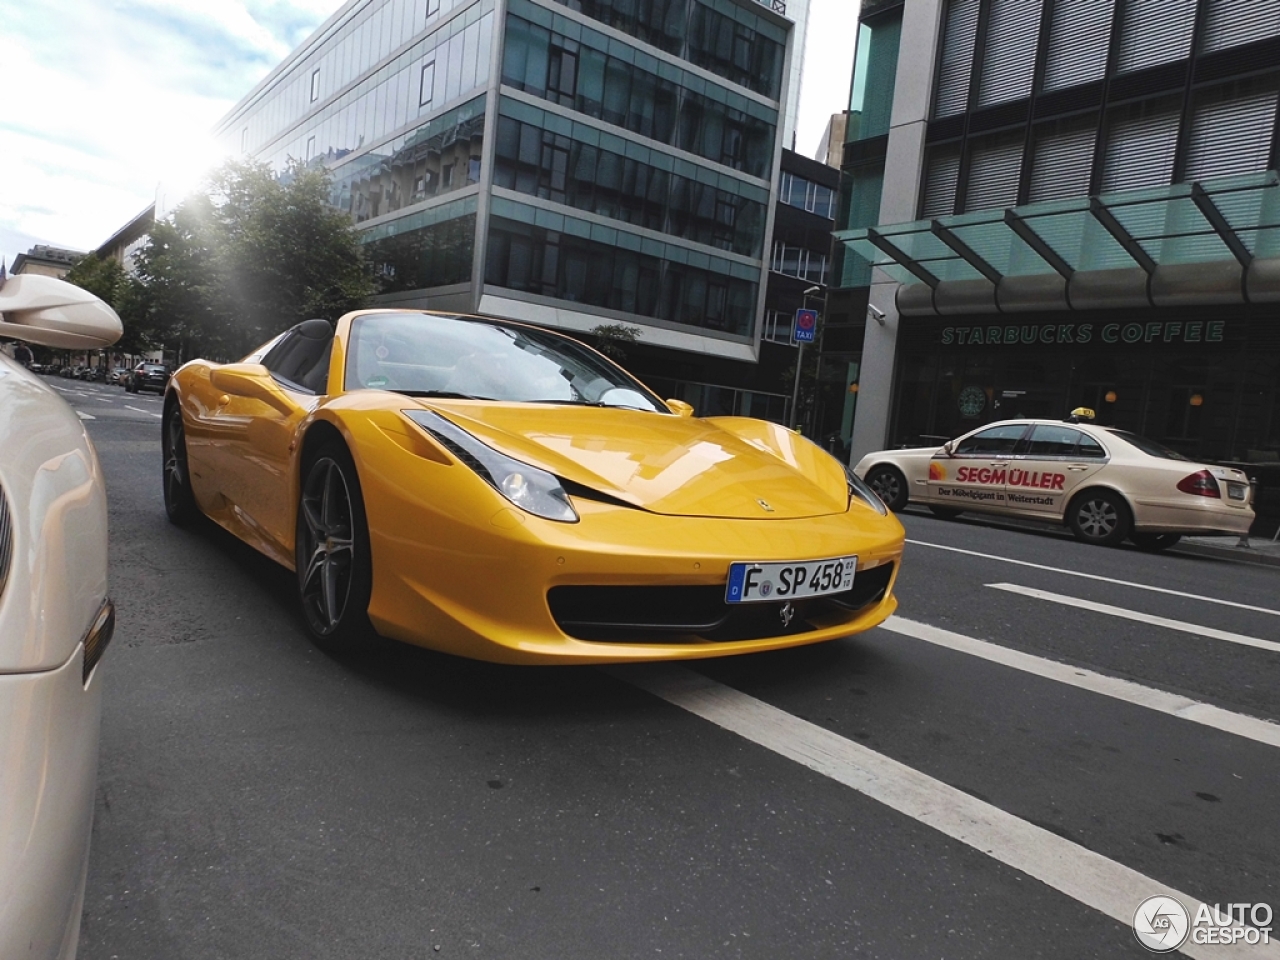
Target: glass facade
x=713, y=34
x=441, y=156
x=875, y=74
x=559, y=60
x=552, y=157
x=546, y=253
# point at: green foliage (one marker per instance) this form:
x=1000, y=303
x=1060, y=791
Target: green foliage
x=611, y=339
x=249, y=256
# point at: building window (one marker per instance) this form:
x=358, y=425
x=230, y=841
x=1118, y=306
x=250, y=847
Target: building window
x=1140, y=149
x=942, y=176
x=1062, y=160
x=960, y=32
x=793, y=261
x=427, y=91
x=777, y=326
x=1231, y=132
x=1079, y=39
x=315, y=85
x=433, y=7
x=874, y=76
x=1154, y=32
x=805, y=195
x=995, y=168
x=311, y=149
x=244, y=140
x=1009, y=59
x=1233, y=22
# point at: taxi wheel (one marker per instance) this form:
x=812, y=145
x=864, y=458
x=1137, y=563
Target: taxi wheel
x=890, y=486
x=945, y=513
x=1154, y=542
x=179, y=501
x=1099, y=516
x=331, y=553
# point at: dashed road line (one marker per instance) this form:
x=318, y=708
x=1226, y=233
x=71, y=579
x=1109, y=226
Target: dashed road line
x=1094, y=576
x=1087, y=877
x=1161, y=701
x=1112, y=611
x=137, y=410
x=85, y=416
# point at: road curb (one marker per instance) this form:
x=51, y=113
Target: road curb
x=1238, y=554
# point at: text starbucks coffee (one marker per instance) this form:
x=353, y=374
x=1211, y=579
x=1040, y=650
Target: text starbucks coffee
x=1151, y=332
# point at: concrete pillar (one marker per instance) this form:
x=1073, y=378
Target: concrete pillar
x=903, y=171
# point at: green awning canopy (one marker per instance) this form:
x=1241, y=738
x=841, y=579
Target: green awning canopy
x=1213, y=242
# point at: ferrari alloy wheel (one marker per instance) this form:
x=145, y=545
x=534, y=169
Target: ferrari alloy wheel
x=1100, y=517
x=332, y=553
x=1154, y=542
x=890, y=486
x=179, y=501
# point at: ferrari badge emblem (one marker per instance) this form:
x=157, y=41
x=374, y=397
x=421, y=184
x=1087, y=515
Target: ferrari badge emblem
x=787, y=613
x=765, y=505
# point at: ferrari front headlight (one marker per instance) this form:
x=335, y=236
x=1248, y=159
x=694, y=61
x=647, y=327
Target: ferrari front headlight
x=858, y=488
x=530, y=488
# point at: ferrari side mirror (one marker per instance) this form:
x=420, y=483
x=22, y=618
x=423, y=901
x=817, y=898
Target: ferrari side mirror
x=680, y=408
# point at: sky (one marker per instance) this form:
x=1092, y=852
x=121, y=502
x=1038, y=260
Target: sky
x=101, y=100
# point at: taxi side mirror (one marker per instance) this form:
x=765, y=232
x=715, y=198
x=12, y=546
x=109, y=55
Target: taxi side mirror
x=680, y=408
x=948, y=448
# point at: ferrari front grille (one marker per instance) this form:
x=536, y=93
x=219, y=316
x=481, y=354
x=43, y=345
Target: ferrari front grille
x=699, y=614
x=6, y=541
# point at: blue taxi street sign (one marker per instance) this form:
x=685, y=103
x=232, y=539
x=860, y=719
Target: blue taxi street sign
x=806, y=326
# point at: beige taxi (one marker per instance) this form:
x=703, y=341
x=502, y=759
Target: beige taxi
x=1105, y=484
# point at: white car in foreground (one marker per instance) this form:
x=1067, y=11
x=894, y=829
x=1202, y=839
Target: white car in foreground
x=55, y=622
x=1105, y=484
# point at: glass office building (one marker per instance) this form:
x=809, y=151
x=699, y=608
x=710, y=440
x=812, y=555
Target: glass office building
x=566, y=162
x=1076, y=204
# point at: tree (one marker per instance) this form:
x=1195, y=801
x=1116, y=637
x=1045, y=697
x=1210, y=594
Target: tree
x=249, y=256
x=612, y=339
x=105, y=278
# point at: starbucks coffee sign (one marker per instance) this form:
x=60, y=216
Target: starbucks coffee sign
x=1151, y=332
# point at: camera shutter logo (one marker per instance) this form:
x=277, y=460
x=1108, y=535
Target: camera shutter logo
x=1161, y=924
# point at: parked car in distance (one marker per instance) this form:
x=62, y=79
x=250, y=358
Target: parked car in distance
x=118, y=375
x=55, y=624
x=1105, y=484
x=148, y=376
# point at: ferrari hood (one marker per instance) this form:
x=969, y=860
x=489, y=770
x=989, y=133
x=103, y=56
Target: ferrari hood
x=680, y=466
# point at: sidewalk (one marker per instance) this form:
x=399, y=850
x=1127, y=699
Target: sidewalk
x=1258, y=550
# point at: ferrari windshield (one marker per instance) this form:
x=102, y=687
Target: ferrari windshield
x=436, y=355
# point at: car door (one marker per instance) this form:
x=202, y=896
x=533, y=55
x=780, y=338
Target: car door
x=970, y=473
x=1058, y=460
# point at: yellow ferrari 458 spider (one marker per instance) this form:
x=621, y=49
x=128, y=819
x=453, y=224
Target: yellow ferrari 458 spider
x=501, y=492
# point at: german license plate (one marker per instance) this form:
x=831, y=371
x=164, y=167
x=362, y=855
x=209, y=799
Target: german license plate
x=795, y=580
x=1235, y=491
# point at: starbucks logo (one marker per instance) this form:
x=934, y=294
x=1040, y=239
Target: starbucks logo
x=973, y=400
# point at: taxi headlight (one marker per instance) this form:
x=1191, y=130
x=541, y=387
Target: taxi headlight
x=530, y=488
x=858, y=488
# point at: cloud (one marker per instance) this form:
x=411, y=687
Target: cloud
x=109, y=97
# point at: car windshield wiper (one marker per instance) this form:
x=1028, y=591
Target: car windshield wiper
x=440, y=394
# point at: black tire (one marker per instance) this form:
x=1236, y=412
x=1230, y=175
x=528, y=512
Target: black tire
x=1099, y=517
x=945, y=513
x=890, y=486
x=179, y=501
x=331, y=551
x=1154, y=542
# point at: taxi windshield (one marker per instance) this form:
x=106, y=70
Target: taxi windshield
x=1148, y=446
x=434, y=355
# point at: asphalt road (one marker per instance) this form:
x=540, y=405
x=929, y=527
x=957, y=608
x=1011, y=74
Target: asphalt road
x=968, y=782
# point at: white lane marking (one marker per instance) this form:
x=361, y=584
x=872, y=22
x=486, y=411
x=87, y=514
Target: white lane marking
x=104, y=399
x=1094, y=576
x=1121, y=612
x=1090, y=878
x=137, y=410
x=85, y=416
x=1184, y=708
